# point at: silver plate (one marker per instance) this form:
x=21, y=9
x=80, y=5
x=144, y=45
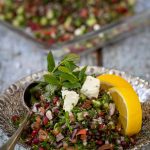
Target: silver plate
x=11, y=101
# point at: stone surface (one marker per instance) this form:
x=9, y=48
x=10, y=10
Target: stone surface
x=131, y=55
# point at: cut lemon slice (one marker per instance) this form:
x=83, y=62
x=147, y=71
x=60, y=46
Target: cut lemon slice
x=108, y=81
x=128, y=105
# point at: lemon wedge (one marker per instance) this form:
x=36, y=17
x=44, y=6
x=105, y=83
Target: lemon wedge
x=126, y=100
x=109, y=80
x=130, y=112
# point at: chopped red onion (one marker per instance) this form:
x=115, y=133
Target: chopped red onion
x=59, y=137
x=74, y=133
x=59, y=145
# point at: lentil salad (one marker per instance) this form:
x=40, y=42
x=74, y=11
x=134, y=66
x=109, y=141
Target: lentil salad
x=62, y=20
x=71, y=111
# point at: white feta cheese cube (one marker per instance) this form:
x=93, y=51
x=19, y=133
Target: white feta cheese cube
x=90, y=87
x=49, y=115
x=70, y=99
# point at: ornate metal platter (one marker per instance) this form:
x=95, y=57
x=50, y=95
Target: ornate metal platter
x=11, y=102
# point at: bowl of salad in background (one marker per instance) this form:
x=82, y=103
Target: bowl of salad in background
x=72, y=109
x=60, y=21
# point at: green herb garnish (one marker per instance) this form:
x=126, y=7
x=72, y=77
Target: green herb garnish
x=64, y=74
x=68, y=120
x=50, y=62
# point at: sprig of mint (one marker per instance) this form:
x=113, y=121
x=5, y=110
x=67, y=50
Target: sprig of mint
x=64, y=73
x=50, y=62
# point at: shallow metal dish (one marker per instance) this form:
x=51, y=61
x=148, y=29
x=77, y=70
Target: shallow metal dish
x=11, y=102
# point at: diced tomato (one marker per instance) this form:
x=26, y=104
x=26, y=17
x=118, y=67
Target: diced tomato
x=51, y=41
x=65, y=37
x=84, y=13
x=45, y=121
x=33, y=26
x=34, y=133
x=121, y=10
x=82, y=131
x=101, y=126
x=55, y=100
x=51, y=31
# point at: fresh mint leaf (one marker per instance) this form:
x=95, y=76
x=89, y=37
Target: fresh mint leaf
x=51, y=89
x=63, y=74
x=76, y=73
x=66, y=70
x=57, y=73
x=70, y=65
x=71, y=85
x=68, y=77
x=50, y=62
x=71, y=57
x=63, y=69
x=51, y=79
x=82, y=73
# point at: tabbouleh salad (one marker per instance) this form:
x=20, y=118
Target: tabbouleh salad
x=70, y=111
